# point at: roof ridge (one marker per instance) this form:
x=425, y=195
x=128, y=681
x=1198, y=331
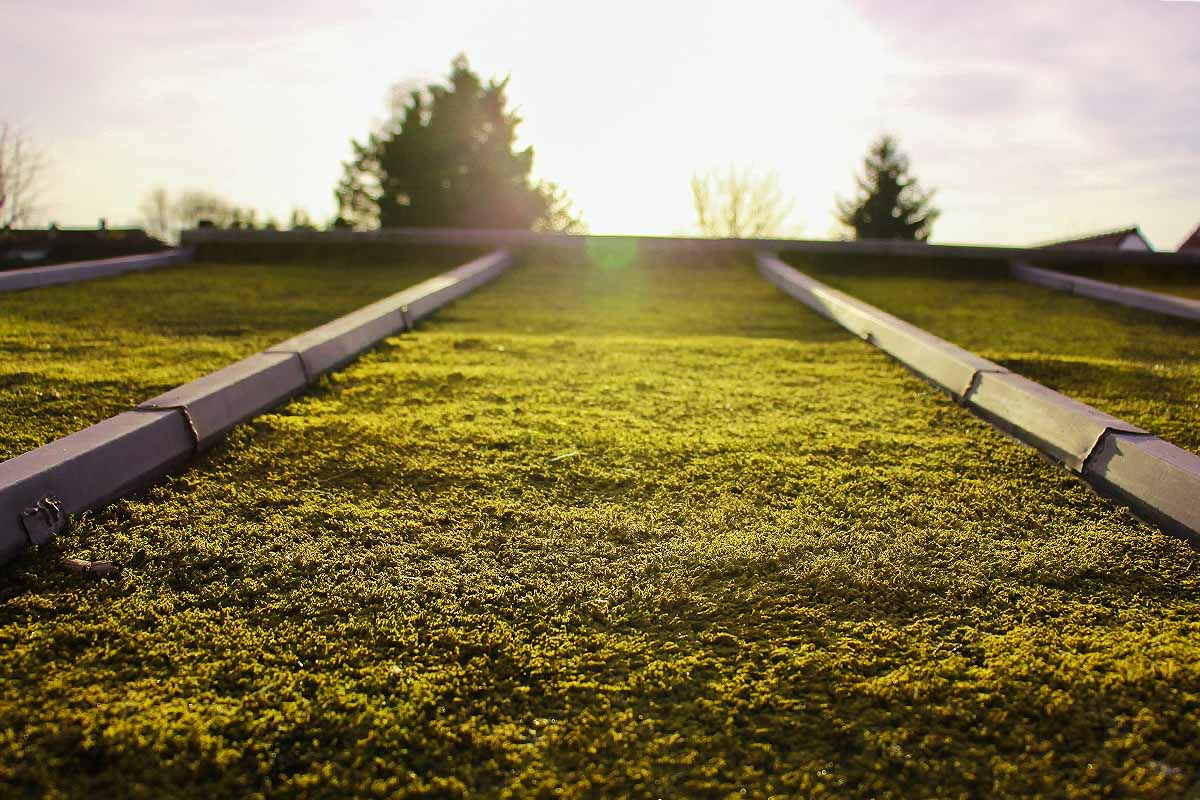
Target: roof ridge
x=1132, y=229
x=1191, y=242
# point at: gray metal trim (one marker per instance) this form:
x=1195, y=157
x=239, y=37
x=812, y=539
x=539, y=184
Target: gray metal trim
x=89, y=468
x=35, y=277
x=948, y=365
x=1156, y=302
x=1051, y=279
x=335, y=343
x=1064, y=428
x=427, y=297
x=125, y=452
x=222, y=399
x=1158, y=480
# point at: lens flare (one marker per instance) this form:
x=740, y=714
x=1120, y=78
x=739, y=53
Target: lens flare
x=611, y=252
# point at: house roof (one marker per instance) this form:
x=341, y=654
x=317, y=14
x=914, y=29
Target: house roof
x=1109, y=240
x=70, y=234
x=1192, y=243
x=24, y=246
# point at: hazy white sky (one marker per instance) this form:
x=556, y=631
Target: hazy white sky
x=1034, y=120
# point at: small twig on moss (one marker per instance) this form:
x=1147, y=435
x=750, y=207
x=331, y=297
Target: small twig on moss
x=97, y=568
x=335, y=476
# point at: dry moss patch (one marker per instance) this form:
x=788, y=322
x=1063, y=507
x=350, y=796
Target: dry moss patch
x=644, y=530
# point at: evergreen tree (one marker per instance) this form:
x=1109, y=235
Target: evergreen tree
x=890, y=204
x=446, y=158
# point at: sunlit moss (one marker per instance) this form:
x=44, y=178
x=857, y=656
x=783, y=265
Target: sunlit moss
x=73, y=355
x=1140, y=366
x=611, y=252
x=655, y=532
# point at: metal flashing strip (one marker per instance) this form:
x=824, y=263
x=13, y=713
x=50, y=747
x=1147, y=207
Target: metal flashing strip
x=41, y=488
x=220, y=400
x=1156, y=302
x=1157, y=479
x=35, y=277
x=1063, y=428
x=950, y=367
x=89, y=468
x=337, y=342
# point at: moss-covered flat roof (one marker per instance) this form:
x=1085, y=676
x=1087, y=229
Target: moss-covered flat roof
x=603, y=529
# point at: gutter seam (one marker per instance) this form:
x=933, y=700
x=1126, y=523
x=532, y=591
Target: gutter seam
x=187, y=417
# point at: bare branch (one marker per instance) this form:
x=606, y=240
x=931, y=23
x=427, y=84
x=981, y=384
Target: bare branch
x=22, y=167
x=739, y=203
x=158, y=214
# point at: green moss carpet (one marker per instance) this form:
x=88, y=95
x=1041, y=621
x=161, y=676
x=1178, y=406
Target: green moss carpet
x=614, y=525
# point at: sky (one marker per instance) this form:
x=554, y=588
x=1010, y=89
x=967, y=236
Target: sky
x=1033, y=120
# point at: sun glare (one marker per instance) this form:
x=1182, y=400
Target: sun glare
x=610, y=252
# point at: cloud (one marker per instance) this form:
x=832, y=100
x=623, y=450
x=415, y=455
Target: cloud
x=1029, y=118
x=1074, y=102
x=976, y=92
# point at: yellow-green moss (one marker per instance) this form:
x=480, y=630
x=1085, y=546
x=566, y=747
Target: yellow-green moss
x=1142, y=367
x=75, y=354
x=652, y=530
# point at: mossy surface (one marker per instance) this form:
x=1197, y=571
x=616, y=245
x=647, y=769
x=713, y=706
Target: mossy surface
x=1140, y=366
x=652, y=530
x=75, y=354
